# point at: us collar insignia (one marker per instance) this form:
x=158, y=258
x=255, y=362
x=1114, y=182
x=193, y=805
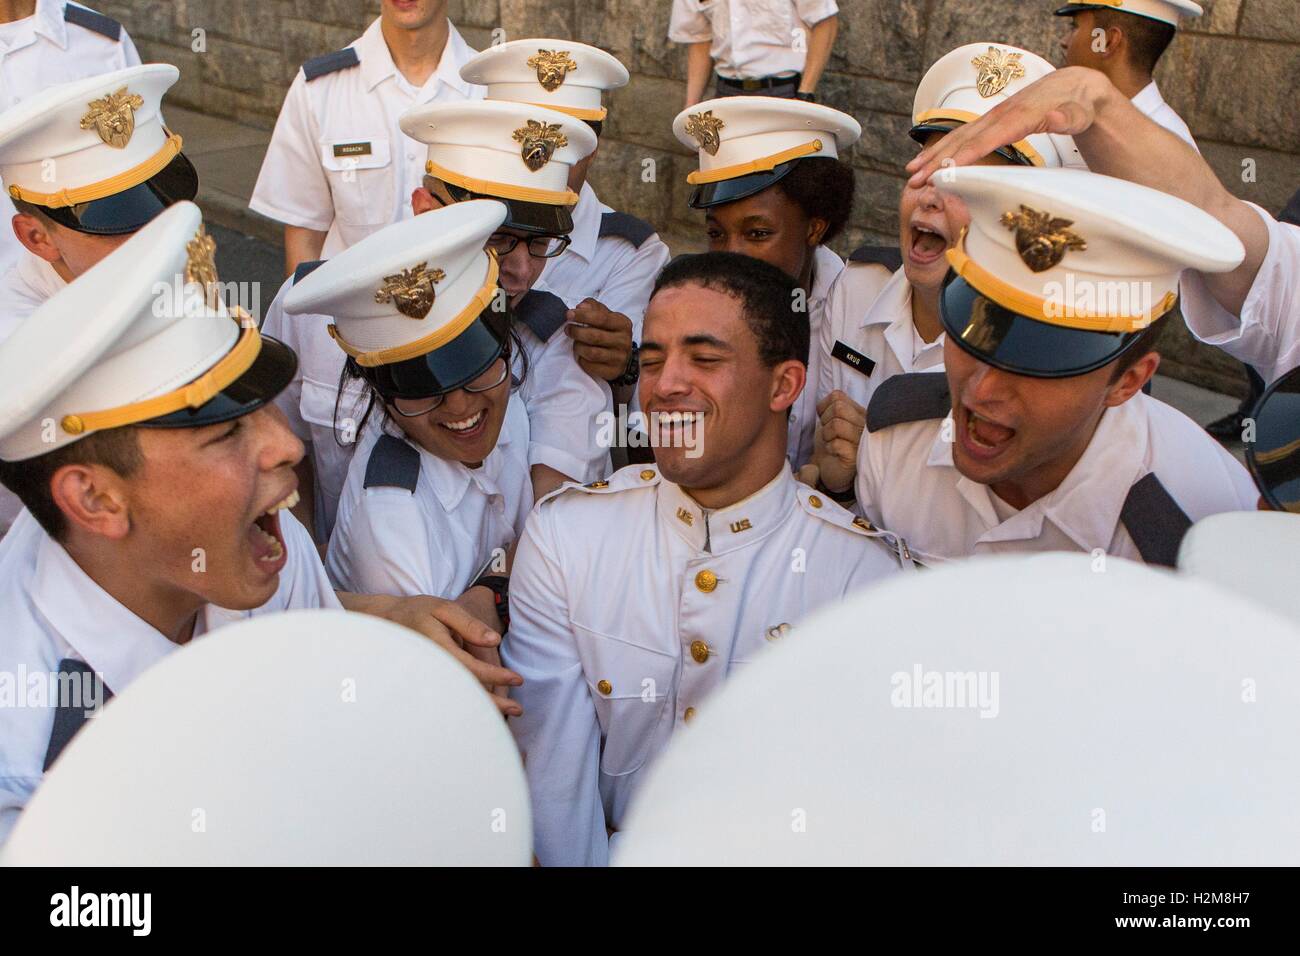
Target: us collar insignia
x=997, y=69
x=113, y=117
x=411, y=290
x=552, y=67
x=704, y=128
x=201, y=264
x=539, y=141
x=1041, y=240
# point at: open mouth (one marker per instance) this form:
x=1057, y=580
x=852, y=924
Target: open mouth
x=467, y=429
x=983, y=437
x=927, y=245
x=265, y=536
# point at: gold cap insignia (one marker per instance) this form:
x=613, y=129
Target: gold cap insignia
x=201, y=264
x=1041, y=240
x=539, y=143
x=997, y=69
x=552, y=67
x=113, y=117
x=411, y=290
x=704, y=128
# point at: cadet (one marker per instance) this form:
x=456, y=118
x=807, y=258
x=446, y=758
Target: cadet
x=1125, y=39
x=45, y=43
x=772, y=186
x=612, y=258
x=619, y=646
x=1037, y=437
x=338, y=166
x=882, y=313
x=777, y=48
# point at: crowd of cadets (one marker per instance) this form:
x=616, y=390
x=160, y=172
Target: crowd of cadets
x=416, y=428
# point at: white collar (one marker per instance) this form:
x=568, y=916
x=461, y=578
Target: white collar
x=377, y=61
x=826, y=267
x=733, y=527
x=47, y=21
x=1149, y=99
x=451, y=479
x=586, y=225
x=892, y=305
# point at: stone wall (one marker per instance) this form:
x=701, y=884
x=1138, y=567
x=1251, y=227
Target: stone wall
x=1234, y=77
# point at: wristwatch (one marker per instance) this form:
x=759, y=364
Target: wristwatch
x=633, y=370
x=806, y=97
x=499, y=585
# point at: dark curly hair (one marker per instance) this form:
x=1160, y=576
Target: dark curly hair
x=823, y=188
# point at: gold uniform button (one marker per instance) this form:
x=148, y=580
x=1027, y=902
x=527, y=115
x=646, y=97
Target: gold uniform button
x=699, y=651
x=598, y=485
x=689, y=715
x=814, y=501
x=863, y=523
x=647, y=475
x=605, y=687
x=706, y=581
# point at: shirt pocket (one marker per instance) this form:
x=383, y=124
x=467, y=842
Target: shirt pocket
x=630, y=686
x=361, y=177
x=770, y=21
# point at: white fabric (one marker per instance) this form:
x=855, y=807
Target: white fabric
x=438, y=539
x=803, y=416
x=24, y=288
x=303, y=184
x=907, y=483
x=586, y=607
x=750, y=38
x=52, y=610
x=1152, y=104
x=1266, y=335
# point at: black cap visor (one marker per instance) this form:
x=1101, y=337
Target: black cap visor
x=1274, y=456
x=533, y=217
x=127, y=211
x=706, y=195
x=445, y=369
x=921, y=131
x=1023, y=346
x=267, y=377
x=1072, y=8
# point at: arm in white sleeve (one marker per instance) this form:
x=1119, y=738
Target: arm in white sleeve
x=628, y=290
x=689, y=23
x=292, y=187
x=564, y=404
x=386, y=548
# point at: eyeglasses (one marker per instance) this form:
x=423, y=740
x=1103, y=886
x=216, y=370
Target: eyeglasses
x=539, y=247
x=415, y=407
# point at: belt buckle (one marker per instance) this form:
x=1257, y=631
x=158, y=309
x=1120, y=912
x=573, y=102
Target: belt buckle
x=749, y=84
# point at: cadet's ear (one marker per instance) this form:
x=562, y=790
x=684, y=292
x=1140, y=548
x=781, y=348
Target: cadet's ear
x=816, y=230
x=1132, y=379
x=1112, y=43
x=92, y=498
x=35, y=237
x=788, y=380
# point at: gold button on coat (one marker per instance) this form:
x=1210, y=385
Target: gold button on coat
x=706, y=581
x=605, y=687
x=647, y=475
x=814, y=501
x=699, y=651
x=690, y=712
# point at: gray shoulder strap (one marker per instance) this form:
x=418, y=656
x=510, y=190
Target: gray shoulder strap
x=305, y=269
x=909, y=397
x=887, y=256
x=327, y=63
x=543, y=312
x=72, y=706
x=393, y=464
x=93, y=21
x=623, y=225
x=1154, y=521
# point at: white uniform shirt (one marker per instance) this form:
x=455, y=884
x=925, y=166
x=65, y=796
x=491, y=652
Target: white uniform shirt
x=52, y=610
x=1266, y=335
x=41, y=51
x=338, y=162
x=874, y=320
x=750, y=38
x=629, y=605
x=827, y=267
x=907, y=482
x=438, y=539
x=1152, y=104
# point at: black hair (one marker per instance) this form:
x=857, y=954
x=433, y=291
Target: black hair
x=596, y=126
x=117, y=449
x=1147, y=39
x=1144, y=344
x=822, y=187
x=770, y=299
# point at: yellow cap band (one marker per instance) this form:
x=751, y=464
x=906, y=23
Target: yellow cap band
x=1045, y=310
x=547, y=197
x=232, y=365
x=434, y=340
x=964, y=116
x=577, y=112
x=765, y=164
x=105, y=187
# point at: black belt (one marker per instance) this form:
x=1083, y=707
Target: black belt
x=760, y=83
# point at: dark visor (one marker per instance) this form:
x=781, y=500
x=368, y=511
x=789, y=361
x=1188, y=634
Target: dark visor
x=535, y=217
x=1023, y=346
x=921, y=130
x=132, y=208
x=729, y=190
x=445, y=369
x=1274, y=456
x=266, y=378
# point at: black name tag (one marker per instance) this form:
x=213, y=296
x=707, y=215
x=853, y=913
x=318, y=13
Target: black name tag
x=853, y=359
x=351, y=149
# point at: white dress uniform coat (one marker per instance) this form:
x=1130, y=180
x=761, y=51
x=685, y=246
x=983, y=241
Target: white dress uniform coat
x=58, y=43
x=55, y=613
x=827, y=267
x=1266, y=335
x=1152, y=104
x=439, y=536
x=619, y=644
x=750, y=38
x=338, y=162
x=1147, y=474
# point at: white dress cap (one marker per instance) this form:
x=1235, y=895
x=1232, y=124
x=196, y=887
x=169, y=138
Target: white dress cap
x=1166, y=11
x=560, y=74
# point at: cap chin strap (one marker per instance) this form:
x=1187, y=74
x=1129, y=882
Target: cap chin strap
x=197, y=393
x=764, y=165
x=105, y=187
x=484, y=187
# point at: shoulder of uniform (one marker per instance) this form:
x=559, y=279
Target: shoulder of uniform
x=887, y=256
x=625, y=479
x=543, y=312
x=1155, y=521
x=820, y=506
x=392, y=464
x=326, y=63
x=908, y=397
x=92, y=20
x=305, y=269
x=624, y=225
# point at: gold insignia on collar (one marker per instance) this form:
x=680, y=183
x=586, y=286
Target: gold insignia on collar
x=1042, y=240
x=597, y=485
x=686, y=517
x=411, y=290
x=741, y=525
x=539, y=141
x=201, y=264
x=113, y=117
x=704, y=128
x=552, y=67
x=997, y=69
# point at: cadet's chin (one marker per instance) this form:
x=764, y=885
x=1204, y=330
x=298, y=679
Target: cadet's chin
x=676, y=466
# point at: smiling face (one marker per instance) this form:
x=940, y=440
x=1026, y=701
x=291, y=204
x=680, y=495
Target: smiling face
x=412, y=14
x=464, y=427
x=768, y=226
